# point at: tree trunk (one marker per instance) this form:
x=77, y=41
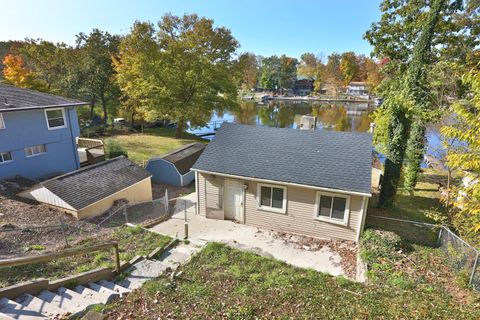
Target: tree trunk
x=179, y=129
x=92, y=107
x=132, y=120
x=447, y=201
x=104, y=107
x=414, y=153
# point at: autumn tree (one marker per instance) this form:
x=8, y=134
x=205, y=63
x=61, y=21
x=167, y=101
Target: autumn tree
x=182, y=69
x=333, y=74
x=288, y=72
x=348, y=67
x=16, y=73
x=247, y=71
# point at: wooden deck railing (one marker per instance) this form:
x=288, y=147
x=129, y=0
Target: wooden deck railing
x=13, y=262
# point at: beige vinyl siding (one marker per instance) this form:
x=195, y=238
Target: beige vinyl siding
x=299, y=217
x=201, y=194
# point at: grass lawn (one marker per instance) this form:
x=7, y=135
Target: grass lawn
x=153, y=142
x=132, y=241
x=225, y=283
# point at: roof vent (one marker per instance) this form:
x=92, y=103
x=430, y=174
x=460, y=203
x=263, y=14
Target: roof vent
x=6, y=103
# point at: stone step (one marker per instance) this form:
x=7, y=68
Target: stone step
x=104, y=290
x=175, y=257
x=33, y=303
x=115, y=287
x=17, y=311
x=84, y=299
x=143, y=271
x=92, y=296
x=62, y=301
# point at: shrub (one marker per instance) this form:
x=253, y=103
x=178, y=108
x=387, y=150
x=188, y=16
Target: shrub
x=379, y=244
x=113, y=149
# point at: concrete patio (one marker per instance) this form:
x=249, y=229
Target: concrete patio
x=263, y=242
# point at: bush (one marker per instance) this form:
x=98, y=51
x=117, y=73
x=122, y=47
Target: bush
x=113, y=149
x=379, y=244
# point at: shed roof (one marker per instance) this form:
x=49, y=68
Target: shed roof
x=91, y=184
x=14, y=99
x=335, y=160
x=184, y=158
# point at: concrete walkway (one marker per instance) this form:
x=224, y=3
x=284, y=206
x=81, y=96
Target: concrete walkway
x=246, y=237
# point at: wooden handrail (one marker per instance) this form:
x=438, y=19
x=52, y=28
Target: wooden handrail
x=62, y=254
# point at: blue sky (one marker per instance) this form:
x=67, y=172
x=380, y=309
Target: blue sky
x=264, y=27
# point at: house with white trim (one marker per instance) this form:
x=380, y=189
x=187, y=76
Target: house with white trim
x=309, y=182
x=38, y=133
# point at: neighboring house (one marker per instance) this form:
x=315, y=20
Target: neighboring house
x=174, y=168
x=357, y=89
x=37, y=133
x=92, y=190
x=314, y=183
x=303, y=85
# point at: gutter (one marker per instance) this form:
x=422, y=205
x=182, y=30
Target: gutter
x=76, y=104
x=355, y=193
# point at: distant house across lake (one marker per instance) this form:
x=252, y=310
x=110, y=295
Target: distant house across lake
x=38, y=133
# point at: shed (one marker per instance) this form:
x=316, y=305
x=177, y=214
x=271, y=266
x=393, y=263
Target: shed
x=174, y=168
x=92, y=190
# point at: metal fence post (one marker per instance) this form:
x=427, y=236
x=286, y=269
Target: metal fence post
x=117, y=258
x=439, y=236
x=62, y=226
x=125, y=212
x=474, y=269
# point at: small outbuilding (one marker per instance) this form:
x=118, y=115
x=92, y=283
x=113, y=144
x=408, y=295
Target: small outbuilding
x=92, y=190
x=174, y=168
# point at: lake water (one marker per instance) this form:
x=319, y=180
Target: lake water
x=351, y=116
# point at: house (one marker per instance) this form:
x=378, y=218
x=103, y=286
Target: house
x=37, y=133
x=92, y=190
x=174, y=168
x=309, y=182
x=303, y=85
x=357, y=89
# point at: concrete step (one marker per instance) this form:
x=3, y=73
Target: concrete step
x=104, y=290
x=63, y=301
x=3, y=316
x=33, y=303
x=83, y=300
x=92, y=296
x=17, y=311
x=143, y=271
x=114, y=287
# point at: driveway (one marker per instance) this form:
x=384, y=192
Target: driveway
x=263, y=242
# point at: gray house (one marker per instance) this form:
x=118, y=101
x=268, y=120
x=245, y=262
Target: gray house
x=314, y=183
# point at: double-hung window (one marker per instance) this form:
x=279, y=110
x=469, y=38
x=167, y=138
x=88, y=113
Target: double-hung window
x=2, y=122
x=272, y=198
x=332, y=207
x=5, y=157
x=34, y=150
x=55, y=118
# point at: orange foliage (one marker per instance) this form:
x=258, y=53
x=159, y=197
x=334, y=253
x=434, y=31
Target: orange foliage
x=15, y=72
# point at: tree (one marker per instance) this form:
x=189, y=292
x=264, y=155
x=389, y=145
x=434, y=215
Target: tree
x=270, y=79
x=333, y=73
x=348, y=67
x=182, y=69
x=16, y=73
x=407, y=94
x=465, y=156
x=247, y=70
x=308, y=66
x=94, y=74
x=288, y=72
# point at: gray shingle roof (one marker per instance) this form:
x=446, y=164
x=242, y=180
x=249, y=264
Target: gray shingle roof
x=184, y=158
x=20, y=99
x=88, y=185
x=336, y=160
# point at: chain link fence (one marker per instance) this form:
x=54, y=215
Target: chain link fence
x=462, y=257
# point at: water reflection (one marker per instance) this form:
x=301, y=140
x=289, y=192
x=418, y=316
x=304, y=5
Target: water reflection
x=287, y=114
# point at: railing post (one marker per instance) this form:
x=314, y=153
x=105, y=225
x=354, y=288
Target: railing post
x=117, y=258
x=439, y=236
x=474, y=269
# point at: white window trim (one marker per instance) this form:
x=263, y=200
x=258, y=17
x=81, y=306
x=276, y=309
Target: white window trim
x=2, y=122
x=63, y=115
x=36, y=154
x=7, y=161
x=267, y=208
x=346, y=216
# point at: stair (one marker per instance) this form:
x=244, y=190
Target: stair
x=50, y=305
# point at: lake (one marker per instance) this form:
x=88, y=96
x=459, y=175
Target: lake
x=351, y=116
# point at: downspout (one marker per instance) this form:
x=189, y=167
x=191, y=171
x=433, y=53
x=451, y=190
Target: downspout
x=364, y=217
x=74, y=145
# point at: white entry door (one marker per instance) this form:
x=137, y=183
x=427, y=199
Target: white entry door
x=233, y=204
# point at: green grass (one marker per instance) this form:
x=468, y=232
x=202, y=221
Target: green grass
x=225, y=283
x=132, y=241
x=152, y=143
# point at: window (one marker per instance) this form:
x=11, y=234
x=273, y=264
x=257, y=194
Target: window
x=2, y=122
x=5, y=157
x=55, y=118
x=31, y=151
x=272, y=198
x=332, y=207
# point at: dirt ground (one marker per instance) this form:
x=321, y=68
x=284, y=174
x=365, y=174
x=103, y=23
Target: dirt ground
x=28, y=227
